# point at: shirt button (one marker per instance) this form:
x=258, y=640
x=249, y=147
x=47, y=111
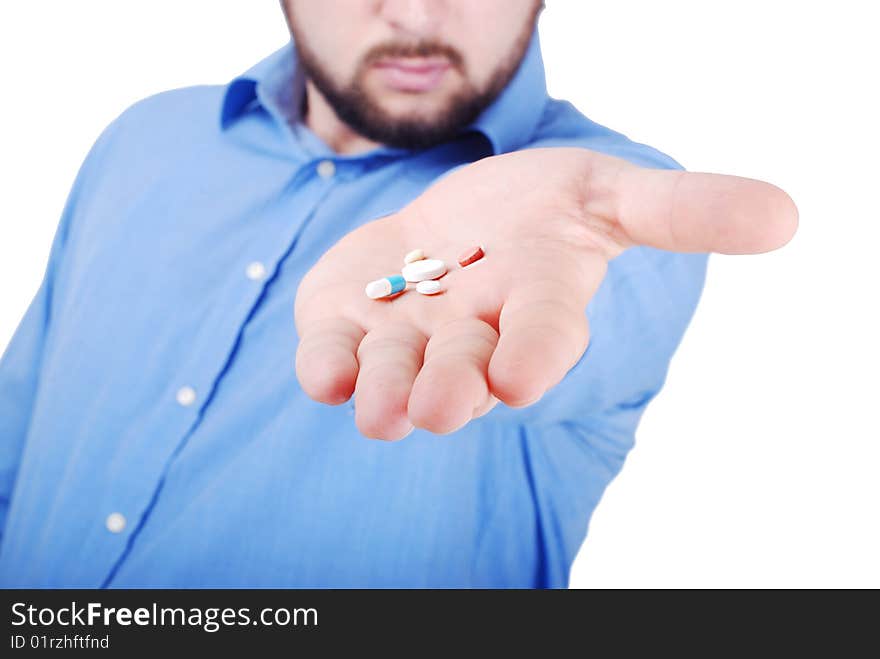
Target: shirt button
x=186, y=396
x=115, y=522
x=326, y=169
x=255, y=271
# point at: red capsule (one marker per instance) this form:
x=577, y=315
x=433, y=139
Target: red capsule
x=472, y=255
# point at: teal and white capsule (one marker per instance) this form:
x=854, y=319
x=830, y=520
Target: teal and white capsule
x=385, y=287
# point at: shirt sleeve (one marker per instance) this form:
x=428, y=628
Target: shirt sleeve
x=578, y=435
x=637, y=320
x=22, y=359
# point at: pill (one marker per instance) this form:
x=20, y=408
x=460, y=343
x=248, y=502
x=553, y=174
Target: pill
x=415, y=255
x=429, y=287
x=472, y=255
x=424, y=269
x=385, y=287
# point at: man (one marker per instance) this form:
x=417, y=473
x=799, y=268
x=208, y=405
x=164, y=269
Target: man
x=153, y=432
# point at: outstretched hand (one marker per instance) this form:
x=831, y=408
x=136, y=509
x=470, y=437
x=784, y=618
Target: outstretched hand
x=510, y=326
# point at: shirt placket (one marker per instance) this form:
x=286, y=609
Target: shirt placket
x=128, y=501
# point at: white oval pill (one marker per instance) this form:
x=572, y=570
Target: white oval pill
x=424, y=269
x=415, y=255
x=429, y=287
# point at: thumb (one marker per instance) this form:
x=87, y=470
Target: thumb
x=690, y=212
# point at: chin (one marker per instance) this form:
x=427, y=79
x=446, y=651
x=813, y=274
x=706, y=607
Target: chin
x=412, y=109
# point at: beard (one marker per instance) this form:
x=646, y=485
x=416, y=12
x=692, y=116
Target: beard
x=364, y=114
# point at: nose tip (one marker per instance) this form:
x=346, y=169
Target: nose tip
x=418, y=18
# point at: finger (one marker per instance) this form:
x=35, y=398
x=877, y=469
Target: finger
x=486, y=407
x=451, y=389
x=689, y=212
x=544, y=332
x=326, y=362
x=390, y=357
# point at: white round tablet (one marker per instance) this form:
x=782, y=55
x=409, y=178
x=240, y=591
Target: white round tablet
x=424, y=269
x=429, y=287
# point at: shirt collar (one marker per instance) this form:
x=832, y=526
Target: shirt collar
x=277, y=84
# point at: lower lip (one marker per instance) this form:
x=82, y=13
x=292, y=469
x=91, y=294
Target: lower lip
x=412, y=78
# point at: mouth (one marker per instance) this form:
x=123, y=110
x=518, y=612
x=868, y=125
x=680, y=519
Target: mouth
x=413, y=74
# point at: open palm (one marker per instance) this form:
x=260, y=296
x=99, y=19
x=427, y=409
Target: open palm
x=510, y=326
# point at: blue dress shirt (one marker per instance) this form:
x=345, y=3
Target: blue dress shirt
x=152, y=430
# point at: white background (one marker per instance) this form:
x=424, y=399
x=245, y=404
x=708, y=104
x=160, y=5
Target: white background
x=758, y=464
